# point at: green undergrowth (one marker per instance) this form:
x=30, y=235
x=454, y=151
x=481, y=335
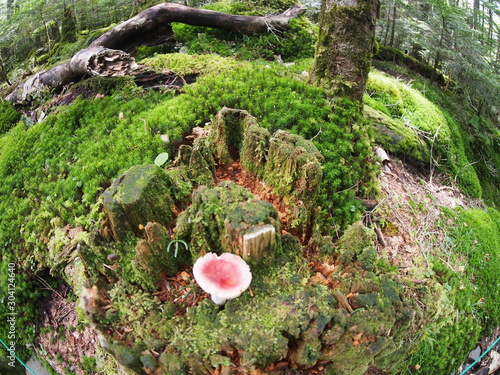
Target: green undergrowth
x=186, y=65
x=57, y=168
x=297, y=41
x=19, y=293
x=52, y=174
x=8, y=116
x=462, y=294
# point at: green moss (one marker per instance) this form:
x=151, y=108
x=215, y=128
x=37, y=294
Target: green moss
x=8, y=116
x=69, y=159
x=436, y=139
x=479, y=234
x=254, y=149
x=186, y=65
x=400, y=58
x=460, y=298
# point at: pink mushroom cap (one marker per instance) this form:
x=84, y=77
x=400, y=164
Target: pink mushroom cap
x=223, y=277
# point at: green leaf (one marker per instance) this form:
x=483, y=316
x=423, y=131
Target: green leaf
x=161, y=159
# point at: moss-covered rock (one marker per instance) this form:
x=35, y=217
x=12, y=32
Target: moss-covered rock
x=397, y=138
x=436, y=140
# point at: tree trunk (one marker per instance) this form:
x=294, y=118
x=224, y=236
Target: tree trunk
x=109, y=55
x=476, y=14
x=345, y=46
x=10, y=4
x=438, y=57
x=393, y=25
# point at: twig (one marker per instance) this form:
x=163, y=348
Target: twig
x=431, y=159
x=318, y=133
x=380, y=236
x=47, y=286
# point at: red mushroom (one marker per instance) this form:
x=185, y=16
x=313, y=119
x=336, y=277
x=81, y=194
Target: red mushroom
x=223, y=277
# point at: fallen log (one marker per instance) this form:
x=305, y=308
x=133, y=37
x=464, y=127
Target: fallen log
x=97, y=61
x=111, y=53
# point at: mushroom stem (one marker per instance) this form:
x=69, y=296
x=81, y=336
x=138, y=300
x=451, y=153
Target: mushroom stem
x=218, y=300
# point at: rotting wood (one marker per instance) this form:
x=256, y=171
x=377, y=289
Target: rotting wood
x=342, y=301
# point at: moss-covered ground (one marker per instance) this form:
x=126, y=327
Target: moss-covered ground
x=53, y=173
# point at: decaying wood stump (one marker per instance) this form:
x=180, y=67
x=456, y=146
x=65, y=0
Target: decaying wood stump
x=227, y=218
x=140, y=195
x=288, y=163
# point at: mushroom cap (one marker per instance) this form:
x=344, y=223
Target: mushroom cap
x=223, y=277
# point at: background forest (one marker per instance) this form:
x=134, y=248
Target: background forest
x=458, y=38
x=432, y=100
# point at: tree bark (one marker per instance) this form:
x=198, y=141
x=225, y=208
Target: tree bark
x=345, y=46
x=110, y=54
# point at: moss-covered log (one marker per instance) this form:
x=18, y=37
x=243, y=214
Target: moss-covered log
x=397, y=56
x=152, y=26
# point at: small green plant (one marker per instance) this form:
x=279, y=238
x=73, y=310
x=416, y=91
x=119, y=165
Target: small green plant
x=161, y=159
x=88, y=364
x=176, y=243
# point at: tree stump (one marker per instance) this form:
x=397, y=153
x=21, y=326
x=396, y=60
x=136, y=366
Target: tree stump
x=227, y=133
x=140, y=195
x=227, y=218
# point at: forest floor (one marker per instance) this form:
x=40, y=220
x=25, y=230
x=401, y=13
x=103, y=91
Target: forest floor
x=405, y=220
